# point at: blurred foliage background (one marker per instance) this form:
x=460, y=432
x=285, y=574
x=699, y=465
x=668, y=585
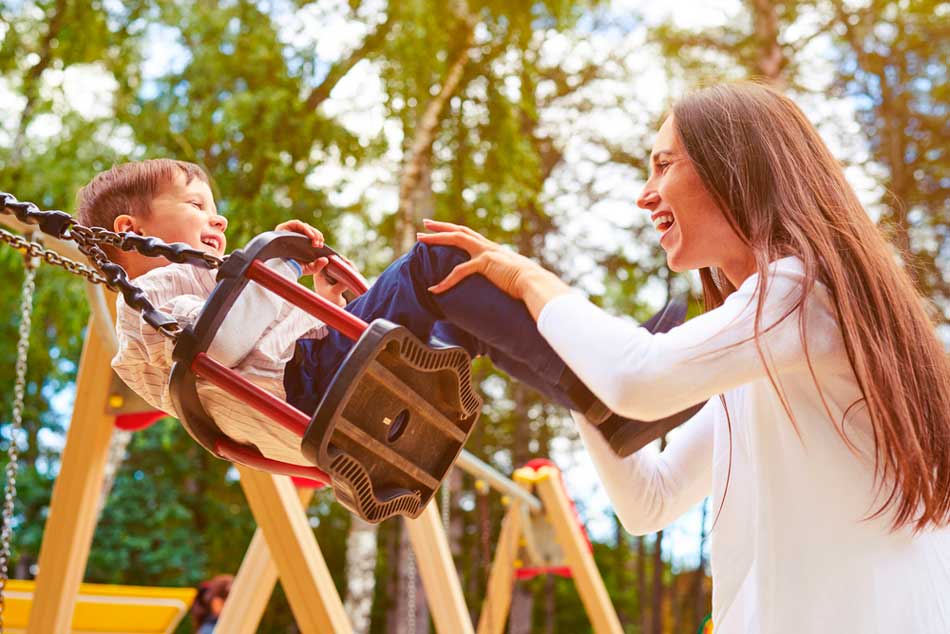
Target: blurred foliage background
x=529, y=121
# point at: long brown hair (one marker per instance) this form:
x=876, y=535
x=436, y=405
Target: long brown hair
x=785, y=194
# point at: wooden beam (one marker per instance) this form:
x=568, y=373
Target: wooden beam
x=74, y=506
x=439, y=576
x=587, y=578
x=253, y=584
x=303, y=572
x=501, y=579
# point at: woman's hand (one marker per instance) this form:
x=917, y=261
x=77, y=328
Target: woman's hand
x=514, y=274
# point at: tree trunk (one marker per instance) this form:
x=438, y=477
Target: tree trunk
x=771, y=59
x=700, y=603
x=417, y=166
x=455, y=526
x=620, y=565
x=550, y=608
x=642, y=583
x=522, y=605
x=361, y=545
x=395, y=603
x=658, y=590
x=31, y=82
x=656, y=621
x=522, y=600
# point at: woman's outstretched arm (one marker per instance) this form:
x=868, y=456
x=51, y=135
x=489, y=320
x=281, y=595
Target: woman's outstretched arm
x=646, y=377
x=650, y=489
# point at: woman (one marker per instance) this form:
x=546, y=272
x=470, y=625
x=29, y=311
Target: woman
x=825, y=442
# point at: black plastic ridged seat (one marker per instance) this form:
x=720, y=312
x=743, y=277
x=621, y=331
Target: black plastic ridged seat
x=393, y=422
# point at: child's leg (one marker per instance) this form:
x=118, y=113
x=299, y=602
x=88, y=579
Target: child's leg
x=446, y=332
x=497, y=325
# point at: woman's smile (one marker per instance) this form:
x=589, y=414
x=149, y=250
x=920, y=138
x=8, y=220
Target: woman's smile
x=664, y=222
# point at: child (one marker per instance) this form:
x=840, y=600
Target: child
x=277, y=346
x=210, y=601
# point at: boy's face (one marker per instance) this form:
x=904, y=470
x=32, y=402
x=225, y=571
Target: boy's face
x=182, y=212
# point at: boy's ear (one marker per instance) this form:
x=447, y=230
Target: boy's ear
x=125, y=222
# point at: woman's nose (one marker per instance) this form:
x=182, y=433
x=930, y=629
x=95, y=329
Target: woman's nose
x=649, y=199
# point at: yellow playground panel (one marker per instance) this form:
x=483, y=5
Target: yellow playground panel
x=106, y=609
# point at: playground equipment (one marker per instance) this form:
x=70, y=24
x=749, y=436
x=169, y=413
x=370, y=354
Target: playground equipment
x=106, y=609
x=356, y=437
x=284, y=546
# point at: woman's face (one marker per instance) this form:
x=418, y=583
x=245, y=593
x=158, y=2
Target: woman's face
x=693, y=229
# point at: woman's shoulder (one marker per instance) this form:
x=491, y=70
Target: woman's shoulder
x=785, y=279
x=789, y=305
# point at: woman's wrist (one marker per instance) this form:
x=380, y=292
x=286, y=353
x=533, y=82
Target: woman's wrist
x=538, y=287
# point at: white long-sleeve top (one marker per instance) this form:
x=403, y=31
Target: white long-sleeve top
x=256, y=339
x=792, y=550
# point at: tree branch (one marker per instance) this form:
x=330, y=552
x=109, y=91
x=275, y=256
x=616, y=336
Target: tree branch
x=32, y=79
x=417, y=156
x=339, y=70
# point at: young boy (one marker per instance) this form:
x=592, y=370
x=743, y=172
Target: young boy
x=277, y=346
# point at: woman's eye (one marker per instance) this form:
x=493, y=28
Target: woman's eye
x=662, y=166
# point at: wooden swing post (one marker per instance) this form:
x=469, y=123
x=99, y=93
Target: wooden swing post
x=74, y=506
x=546, y=483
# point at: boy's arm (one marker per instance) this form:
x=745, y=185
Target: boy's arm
x=144, y=358
x=250, y=317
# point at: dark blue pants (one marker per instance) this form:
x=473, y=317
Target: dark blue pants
x=474, y=314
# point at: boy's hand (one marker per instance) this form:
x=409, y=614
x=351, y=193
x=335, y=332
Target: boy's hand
x=301, y=227
x=322, y=285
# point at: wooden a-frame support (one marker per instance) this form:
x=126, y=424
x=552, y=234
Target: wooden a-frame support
x=546, y=484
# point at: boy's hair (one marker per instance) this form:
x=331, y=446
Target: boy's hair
x=129, y=188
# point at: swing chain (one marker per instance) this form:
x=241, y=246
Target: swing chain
x=35, y=250
x=19, y=393
x=90, y=241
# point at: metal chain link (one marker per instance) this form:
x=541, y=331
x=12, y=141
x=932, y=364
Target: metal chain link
x=35, y=250
x=90, y=241
x=410, y=591
x=19, y=393
x=446, y=502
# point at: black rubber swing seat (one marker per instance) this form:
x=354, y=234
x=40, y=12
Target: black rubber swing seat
x=391, y=423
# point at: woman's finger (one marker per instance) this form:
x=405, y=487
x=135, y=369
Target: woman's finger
x=467, y=243
x=456, y=275
x=441, y=226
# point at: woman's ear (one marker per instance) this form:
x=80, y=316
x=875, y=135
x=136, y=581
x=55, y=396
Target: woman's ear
x=217, y=604
x=125, y=223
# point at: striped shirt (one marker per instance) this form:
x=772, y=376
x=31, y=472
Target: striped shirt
x=256, y=339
